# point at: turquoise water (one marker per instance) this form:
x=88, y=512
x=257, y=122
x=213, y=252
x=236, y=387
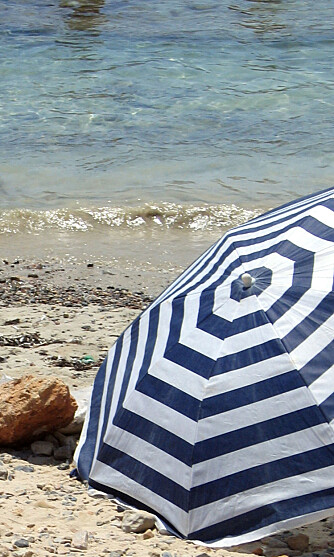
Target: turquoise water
x=221, y=109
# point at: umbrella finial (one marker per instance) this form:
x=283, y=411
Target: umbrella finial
x=247, y=280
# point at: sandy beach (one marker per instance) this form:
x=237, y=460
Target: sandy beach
x=60, y=319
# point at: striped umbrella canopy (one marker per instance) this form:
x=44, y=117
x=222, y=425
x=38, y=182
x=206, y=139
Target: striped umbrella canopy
x=215, y=408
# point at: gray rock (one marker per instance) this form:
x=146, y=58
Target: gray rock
x=44, y=448
x=137, y=521
x=117, y=553
x=3, y=472
x=273, y=541
x=25, y=468
x=80, y=540
x=21, y=542
x=63, y=453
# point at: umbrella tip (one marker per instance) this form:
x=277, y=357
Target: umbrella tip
x=247, y=280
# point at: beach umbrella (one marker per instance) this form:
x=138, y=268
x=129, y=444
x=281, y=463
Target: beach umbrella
x=215, y=408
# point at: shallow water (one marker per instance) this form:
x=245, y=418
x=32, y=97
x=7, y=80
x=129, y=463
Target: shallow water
x=123, y=107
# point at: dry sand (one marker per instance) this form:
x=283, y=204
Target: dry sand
x=60, y=320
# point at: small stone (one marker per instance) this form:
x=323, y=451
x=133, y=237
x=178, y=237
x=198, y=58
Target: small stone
x=272, y=541
x=21, y=542
x=3, y=472
x=63, y=453
x=80, y=540
x=148, y=535
x=42, y=448
x=117, y=553
x=299, y=542
x=63, y=466
x=25, y=468
x=137, y=521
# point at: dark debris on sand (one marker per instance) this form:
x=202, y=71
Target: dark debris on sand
x=18, y=290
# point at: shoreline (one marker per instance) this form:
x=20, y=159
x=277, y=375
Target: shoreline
x=61, y=319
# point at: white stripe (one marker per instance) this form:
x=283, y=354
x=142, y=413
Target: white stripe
x=165, y=417
x=248, y=375
x=298, y=312
x=271, y=529
x=313, y=344
x=115, y=480
x=179, y=377
x=195, y=338
x=119, y=376
x=149, y=455
x=143, y=324
x=262, y=453
x=102, y=407
x=322, y=387
x=248, y=339
x=257, y=497
x=255, y=413
x=163, y=329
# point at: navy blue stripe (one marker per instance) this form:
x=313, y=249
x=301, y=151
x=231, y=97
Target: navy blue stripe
x=169, y=396
x=327, y=407
x=150, y=340
x=155, y=435
x=317, y=318
x=263, y=474
x=144, y=475
x=86, y=454
x=249, y=356
x=267, y=515
x=175, y=322
x=250, y=394
x=134, y=332
x=257, y=433
x=222, y=328
x=318, y=365
x=190, y=359
x=111, y=385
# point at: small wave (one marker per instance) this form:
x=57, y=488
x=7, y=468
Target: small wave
x=150, y=215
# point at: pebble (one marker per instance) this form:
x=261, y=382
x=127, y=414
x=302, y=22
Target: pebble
x=42, y=448
x=21, y=542
x=3, y=472
x=137, y=521
x=24, y=468
x=80, y=540
x=299, y=542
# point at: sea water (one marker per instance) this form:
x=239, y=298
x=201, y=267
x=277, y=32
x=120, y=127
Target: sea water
x=143, y=130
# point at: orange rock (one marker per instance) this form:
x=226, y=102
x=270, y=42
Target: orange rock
x=31, y=406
